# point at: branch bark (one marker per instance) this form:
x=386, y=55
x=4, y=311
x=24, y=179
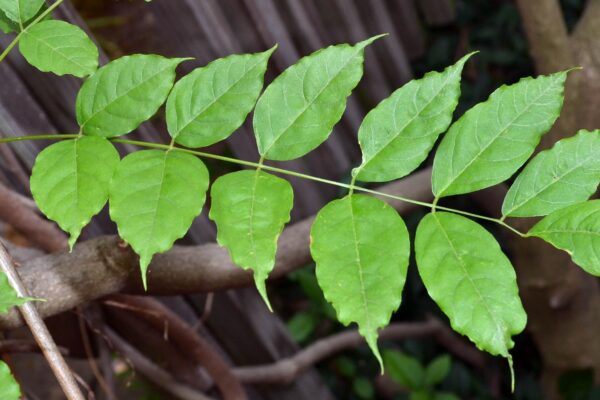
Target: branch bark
x=103, y=266
x=551, y=286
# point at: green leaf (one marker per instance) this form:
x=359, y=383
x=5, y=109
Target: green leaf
x=9, y=298
x=361, y=247
x=154, y=197
x=9, y=388
x=437, y=370
x=470, y=279
x=6, y=24
x=575, y=229
x=404, y=369
x=568, y=173
x=250, y=209
x=302, y=325
x=21, y=11
x=211, y=102
x=70, y=181
x=363, y=388
x=124, y=93
x=59, y=47
x=297, y=112
x=396, y=136
x=493, y=139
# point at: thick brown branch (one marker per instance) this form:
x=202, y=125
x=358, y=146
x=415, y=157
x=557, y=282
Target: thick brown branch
x=547, y=35
x=104, y=266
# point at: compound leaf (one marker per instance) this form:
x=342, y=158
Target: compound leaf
x=494, y=138
x=575, y=229
x=568, y=173
x=361, y=247
x=470, y=279
x=70, y=181
x=154, y=197
x=124, y=93
x=250, y=209
x=9, y=388
x=211, y=102
x=298, y=110
x=21, y=11
x=396, y=136
x=59, y=47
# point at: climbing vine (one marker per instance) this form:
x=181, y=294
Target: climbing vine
x=360, y=244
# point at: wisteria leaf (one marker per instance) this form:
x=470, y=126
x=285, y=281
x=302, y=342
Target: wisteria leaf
x=70, y=181
x=59, y=47
x=298, y=110
x=396, y=136
x=250, y=209
x=471, y=280
x=154, y=197
x=361, y=247
x=493, y=139
x=576, y=230
x=21, y=11
x=211, y=102
x=568, y=173
x=124, y=93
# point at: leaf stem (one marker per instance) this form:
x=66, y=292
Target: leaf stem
x=260, y=165
x=23, y=30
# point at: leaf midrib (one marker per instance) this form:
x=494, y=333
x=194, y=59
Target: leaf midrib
x=310, y=103
x=401, y=130
x=466, y=273
x=125, y=94
x=216, y=99
x=55, y=50
x=155, y=209
x=359, y=265
x=493, y=139
x=547, y=186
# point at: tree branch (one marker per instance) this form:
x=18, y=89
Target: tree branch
x=287, y=370
x=150, y=370
x=188, y=342
x=103, y=266
x=547, y=35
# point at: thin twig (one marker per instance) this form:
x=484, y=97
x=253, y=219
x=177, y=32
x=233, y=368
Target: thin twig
x=150, y=370
x=40, y=331
x=188, y=342
x=287, y=370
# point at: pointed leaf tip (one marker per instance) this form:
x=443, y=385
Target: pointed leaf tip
x=259, y=281
x=144, y=263
x=371, y=338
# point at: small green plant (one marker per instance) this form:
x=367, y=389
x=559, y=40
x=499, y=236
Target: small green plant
x=419, y=380
x=360, y=244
